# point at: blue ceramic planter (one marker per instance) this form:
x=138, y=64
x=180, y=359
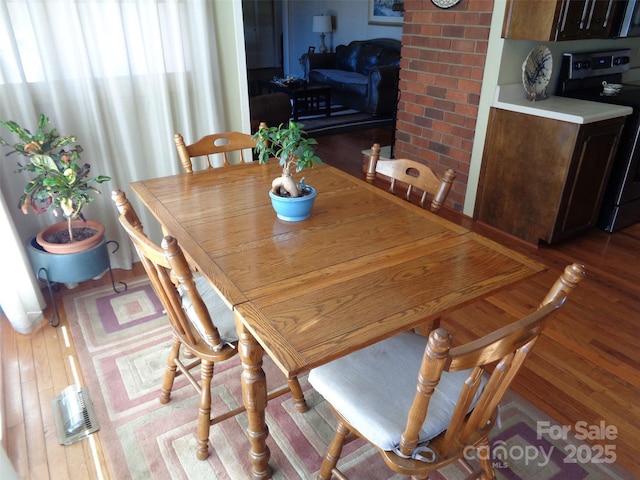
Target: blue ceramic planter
x=293, y=209
x=68, y=267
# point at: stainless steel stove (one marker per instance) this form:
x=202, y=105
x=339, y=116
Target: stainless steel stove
x=582, y=76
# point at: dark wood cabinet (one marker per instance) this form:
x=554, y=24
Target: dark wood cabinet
x=573, y=21
x=602, y=18
x=543, y=179
x=551, y=20
x=582, y=19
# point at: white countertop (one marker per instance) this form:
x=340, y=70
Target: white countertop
x=513, y=97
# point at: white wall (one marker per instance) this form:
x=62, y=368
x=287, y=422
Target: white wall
x=230, y=38
x=350, y=20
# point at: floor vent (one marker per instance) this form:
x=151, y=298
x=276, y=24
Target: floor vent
x=74, y=414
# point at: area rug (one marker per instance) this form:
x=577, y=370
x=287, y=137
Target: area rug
x=122, y=342
x=343, y=121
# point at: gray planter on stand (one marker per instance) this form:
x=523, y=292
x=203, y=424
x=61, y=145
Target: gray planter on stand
x=70, y=267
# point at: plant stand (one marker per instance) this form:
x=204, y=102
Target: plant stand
x=57, y=268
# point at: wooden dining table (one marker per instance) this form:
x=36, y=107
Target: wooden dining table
x=365, y=266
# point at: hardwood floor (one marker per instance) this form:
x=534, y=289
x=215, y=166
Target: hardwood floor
x=35, y=369
x=344, y=151
x=585, y=368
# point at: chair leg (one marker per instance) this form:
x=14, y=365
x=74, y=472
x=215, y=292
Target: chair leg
x=485, y=461
x=204, y=410
x=298, y=396
x=333, y=452
x=170, y=372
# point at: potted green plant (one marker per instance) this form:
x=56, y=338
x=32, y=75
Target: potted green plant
x=295, y=151
x=61, y=184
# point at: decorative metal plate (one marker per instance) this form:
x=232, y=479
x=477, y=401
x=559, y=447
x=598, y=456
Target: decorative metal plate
x=536, y=72
x=445, y=3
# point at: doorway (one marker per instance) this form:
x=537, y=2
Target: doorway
x=263, y=36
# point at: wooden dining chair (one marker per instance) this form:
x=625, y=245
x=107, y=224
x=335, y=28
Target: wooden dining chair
x=202, y=323
x=423, y=404
x=230, y=145
x=414, y=175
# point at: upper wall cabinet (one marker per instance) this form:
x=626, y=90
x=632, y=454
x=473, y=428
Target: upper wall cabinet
x=554, y=20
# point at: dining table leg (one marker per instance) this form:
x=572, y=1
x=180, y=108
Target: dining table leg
x=254, y=396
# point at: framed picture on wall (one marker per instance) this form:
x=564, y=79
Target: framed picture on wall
x=386, y=12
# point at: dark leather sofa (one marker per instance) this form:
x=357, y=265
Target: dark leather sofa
x=362, y=75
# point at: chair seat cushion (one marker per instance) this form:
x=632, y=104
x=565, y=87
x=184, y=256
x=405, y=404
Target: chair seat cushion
x=221, y=314
x=373, y=389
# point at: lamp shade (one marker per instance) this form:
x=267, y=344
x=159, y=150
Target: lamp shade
x=322, y=23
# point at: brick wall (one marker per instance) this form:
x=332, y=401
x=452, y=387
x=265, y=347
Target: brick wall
x=443, y=57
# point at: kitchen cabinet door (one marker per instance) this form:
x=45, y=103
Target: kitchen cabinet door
x=582, y=19
x=532, y=20
x=582, y=196
x=543, y=179
x=573, y=20
x=551, y=20
x=602, y=17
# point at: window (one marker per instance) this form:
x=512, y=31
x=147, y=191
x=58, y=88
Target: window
x=121, y=39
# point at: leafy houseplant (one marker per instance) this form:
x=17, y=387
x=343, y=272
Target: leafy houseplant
x=294, y=150
x=60, y=181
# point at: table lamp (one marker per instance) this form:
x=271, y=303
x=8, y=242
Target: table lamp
x=322, y=25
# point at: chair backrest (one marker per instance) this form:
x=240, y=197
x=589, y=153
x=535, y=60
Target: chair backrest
x=414, y=174
x=168, y=271
x=503, y=350
x=216, y=144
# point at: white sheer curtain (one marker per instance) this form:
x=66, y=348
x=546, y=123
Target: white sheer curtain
x=121, y=75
